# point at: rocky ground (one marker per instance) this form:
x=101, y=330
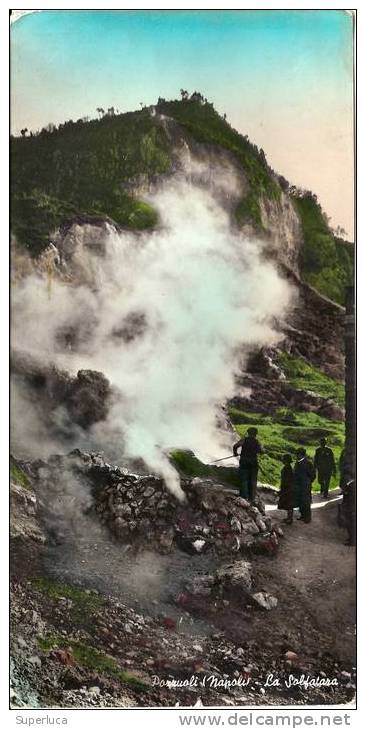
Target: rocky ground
x=106, y=617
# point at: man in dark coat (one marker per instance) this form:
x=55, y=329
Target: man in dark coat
x=304, y=475
x=286, y=500
x=325, y=465
x=248, y=463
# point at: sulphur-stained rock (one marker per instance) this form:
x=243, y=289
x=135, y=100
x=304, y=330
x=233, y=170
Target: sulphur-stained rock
x=233, y=579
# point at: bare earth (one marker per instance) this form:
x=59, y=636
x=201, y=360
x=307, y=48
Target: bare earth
x=313, y=577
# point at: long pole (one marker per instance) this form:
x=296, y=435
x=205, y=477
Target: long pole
x=227, y=458
x=221, y=459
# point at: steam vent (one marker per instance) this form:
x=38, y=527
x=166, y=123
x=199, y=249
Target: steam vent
x=183, y=432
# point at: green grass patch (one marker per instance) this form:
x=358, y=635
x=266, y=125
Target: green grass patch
x=48, y=642
x=19, y=477
x=92, y=659
x=277, y=438
x=283, y=433
x=190, y=466
x=327, y=262
x=84, y=604
x=304, y=376
x=248, y=210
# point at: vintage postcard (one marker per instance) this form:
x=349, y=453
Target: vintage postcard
x=182, y=467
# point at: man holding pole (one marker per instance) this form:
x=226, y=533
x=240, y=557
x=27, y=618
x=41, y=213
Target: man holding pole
x=248, y=463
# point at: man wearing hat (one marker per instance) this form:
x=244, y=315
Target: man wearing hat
x=248, y=463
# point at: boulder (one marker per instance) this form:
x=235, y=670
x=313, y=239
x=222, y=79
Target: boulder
x=264, y=600
x=235, y=577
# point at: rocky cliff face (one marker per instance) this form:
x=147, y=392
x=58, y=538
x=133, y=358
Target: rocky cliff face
x=219, y=170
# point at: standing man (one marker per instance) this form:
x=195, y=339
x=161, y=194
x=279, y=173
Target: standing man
x=304, y=475
x=325, y=465
x=286, y=500
x=248, y=463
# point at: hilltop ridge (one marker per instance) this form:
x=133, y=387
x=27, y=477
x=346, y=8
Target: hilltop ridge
x=95, y=170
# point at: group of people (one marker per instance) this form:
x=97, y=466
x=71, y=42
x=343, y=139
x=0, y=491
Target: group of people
x=296, y=477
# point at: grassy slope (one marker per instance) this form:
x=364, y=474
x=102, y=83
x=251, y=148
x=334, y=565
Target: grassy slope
x=84, y=169
x=326, y=261
x=282, y=433
x=190, y=466
x=84, y=606
x=278, y=438
x=303, y=376
x=18, y=476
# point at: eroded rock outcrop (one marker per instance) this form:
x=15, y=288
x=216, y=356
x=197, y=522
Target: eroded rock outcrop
x=85, y=399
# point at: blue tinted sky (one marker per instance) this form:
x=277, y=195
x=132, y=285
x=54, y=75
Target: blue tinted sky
x=283, y=77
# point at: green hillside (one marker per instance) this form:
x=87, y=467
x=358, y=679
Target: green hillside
x=84, y=169
x=282, y=432
x=327, y=261
x=88, y=169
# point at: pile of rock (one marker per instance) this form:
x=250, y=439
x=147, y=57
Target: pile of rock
x=140, y=509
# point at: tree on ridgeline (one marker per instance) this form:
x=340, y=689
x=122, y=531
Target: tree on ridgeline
x=197, y=96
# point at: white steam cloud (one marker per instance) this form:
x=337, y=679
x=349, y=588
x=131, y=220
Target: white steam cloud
x=167, y=316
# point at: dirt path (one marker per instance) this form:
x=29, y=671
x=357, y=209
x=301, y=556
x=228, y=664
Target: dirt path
x=314, y=580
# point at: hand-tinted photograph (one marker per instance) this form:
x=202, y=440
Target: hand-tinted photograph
x=182, y=463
